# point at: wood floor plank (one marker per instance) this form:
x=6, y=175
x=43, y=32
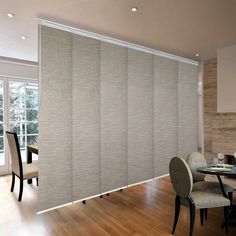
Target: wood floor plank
x=141, y=210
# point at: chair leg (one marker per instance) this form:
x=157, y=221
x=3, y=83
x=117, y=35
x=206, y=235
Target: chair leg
x=205, y=213
x=21, y=190
x=37, y=181
x=230, y=196
x=202, y=215
x=177, y=210
x=192, y=218
x=12, y=182
x=226, y=215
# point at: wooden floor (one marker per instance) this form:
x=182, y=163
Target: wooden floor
x=145, y=209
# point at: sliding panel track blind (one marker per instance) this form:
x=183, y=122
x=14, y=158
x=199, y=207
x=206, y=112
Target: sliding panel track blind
x=165, y=113
x=55, y=119
x=86, y=117
x=187, y=109
x=140, y=116
x=113, y=93
x=110, y=116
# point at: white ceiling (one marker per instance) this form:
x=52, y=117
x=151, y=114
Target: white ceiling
x=181, y=27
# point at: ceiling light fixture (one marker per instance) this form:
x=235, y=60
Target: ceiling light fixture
x=10, y=15
x=134, y=9
x=23, y=37
x=196, y=55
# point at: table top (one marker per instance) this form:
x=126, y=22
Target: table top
x=218, y=170
x=33, y=148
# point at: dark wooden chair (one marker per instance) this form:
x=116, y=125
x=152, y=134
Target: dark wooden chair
x=22, y=171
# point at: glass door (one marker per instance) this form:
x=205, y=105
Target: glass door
x=18, y=113
x=23, y=109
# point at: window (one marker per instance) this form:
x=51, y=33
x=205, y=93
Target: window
x=23, y=108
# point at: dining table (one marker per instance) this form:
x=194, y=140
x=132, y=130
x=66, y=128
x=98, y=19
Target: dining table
x=219, y=171
x=30, y=150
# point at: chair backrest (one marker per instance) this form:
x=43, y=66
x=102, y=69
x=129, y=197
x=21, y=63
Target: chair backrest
x=16, y=162
x=181, y=177
x=196, y=160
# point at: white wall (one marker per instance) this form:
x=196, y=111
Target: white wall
x=226, y=79
x=18, y=69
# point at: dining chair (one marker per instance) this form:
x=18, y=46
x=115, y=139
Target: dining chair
x=196, y=160
x=19, y=169
x=182, y=181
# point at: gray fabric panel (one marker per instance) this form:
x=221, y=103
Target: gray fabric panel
x=86, y=117
x=113, y=92
x=165, y=113
x=55, y=119
x=140, y=116
x=187, y=109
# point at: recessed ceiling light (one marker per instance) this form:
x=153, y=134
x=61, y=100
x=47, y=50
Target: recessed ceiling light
x=23, y=37
x=134, y=9
x=10, y=15
x=196, y=55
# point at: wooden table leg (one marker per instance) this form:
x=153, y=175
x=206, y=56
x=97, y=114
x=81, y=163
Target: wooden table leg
x=29, y=160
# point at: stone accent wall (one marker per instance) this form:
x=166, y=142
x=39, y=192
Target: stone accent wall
x=219, y=128
x=209, y=100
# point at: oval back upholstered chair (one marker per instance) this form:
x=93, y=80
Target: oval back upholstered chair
x=182, y=181
x=22, y=171
x=196, y=160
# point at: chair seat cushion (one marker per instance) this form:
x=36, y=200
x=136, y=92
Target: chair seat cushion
x=206, y=200
x=30, y=171
x=212, y=187
x=209, y=200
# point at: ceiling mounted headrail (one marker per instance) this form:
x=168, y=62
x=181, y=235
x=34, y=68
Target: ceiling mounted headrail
x=115, y=41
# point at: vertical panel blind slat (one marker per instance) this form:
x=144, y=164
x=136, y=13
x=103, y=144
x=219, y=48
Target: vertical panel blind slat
x=187, y=109
x=140, y=116
x=55, y=119
x=166, y=113
x=86, y=117
x=113, y=116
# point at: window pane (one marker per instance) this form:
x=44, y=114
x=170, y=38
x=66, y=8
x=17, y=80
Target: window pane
x=1, y=99
x=31, y=115
x=31, y=90
x=32, y=128
x=32, y=102
x=17, y=115
x=32, y=139
x=18, y=128
x=1, y=144
x=1, y=115
x=1, y=129
x=17, y=101
x=17, y=88
x=21, y=140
